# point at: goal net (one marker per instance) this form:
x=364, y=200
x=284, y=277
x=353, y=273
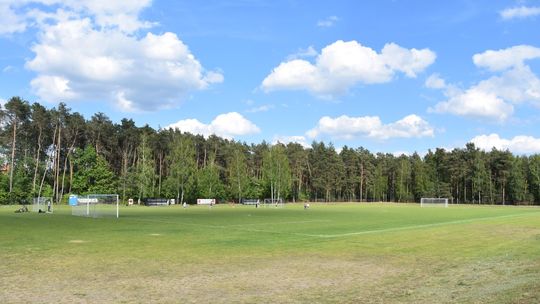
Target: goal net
x=206, y=201
x=276, y=202
x=433, y=202
x=42, y=203
x=96, y=205
x=250, y=201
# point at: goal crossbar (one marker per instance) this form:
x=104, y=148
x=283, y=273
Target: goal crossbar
x=96, y=205
x=433, y=202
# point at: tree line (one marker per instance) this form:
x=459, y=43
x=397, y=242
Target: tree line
x=56, y=152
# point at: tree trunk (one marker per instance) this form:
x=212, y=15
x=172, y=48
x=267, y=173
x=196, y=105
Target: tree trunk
x=49, y=162
x=36, y=169
x=361, y=180
x=70, y=174
x=65, y=165
x=160, y=172
x=12, y=165
x=57, y=164
x=503, y=196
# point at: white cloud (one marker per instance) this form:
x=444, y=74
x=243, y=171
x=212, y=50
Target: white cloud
x=227, y=125
x=520, y=12
x=506, y=58
x=408, y=61
x=345, y=127
x=10, y=22
x=97, y=50
x=516, y=85
x=434, y=81
x=328, y=21
x=303, y=53
x=291, y=139
x=495, y=97
x=519, y=144
x=342, y=65
x=475, y=102
x=263, y=108
x=18, y=15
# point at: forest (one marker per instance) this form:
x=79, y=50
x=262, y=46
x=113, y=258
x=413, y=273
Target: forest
x=56, y=152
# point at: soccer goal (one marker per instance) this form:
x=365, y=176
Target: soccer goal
x=250, y=201
x=43, y=204
x=433, y=202
x=206, y=201
x=276, y=202
x=97, y=205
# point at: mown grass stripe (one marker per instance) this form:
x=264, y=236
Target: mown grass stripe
x=415, y=226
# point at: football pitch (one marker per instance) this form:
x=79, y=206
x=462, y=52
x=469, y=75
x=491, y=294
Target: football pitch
x=330, y=253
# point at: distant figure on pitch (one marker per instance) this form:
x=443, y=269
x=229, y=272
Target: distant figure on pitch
x=306, y=206
x=22, y=209
x=184, y=205
x=49, y=206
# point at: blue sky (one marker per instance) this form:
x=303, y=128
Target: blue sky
x=391, y=76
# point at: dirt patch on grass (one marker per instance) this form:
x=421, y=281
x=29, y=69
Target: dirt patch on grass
x=77, y=241
x=279, y=279
x=291, y=280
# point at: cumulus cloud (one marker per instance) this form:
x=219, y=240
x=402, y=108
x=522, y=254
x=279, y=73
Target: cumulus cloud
x=10, y=22
x=328, y=22
x=495, y=97
x=291, y=139
x=476, y=103
x=520, y=12
x=18, y=15
x=519, y=144
x=345, y=127
x=342, y=65
x=498, y=60
x=227, y=125
x=98, y=50
x=434, y=81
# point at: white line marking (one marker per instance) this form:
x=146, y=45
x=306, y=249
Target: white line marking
x=279, y=223
x=415, y=226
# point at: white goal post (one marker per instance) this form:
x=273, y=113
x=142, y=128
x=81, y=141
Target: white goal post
x=276, y=202
x=433, y=202
x=206, y=201
x=96, y=205
x=43, y=204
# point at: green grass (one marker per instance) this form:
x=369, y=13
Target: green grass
x=343, y=253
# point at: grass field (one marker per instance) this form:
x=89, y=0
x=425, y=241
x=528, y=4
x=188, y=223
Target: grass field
x=334, y=253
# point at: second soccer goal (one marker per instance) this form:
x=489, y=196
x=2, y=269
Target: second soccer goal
x=433, y=202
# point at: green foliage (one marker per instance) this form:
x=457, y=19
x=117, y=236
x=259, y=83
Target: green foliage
x=53, y=146
x=276, y=172
x=93, y=174
x=145, y=169
x=238, y=173
x=209, y=183
x=182, y=167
